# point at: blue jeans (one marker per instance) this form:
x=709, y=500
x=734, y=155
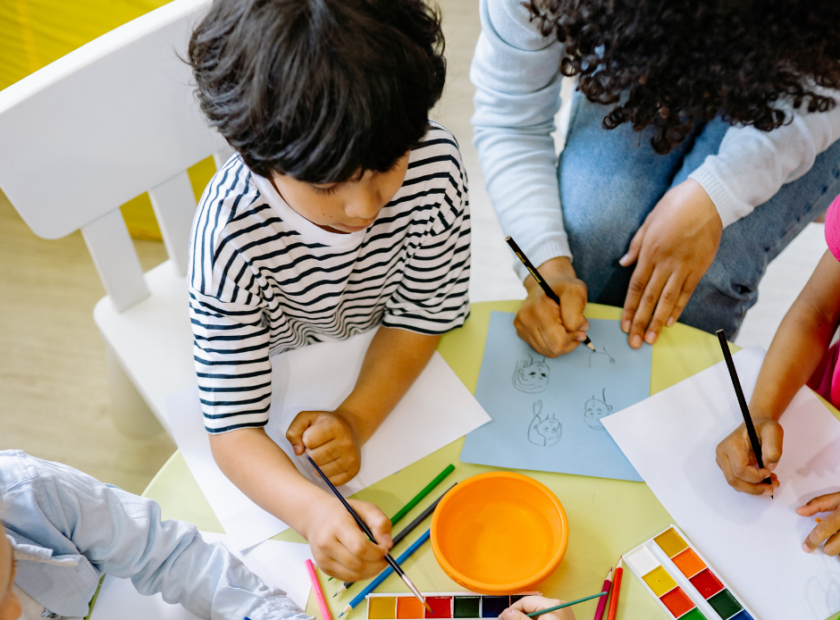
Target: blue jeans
x=611, y=180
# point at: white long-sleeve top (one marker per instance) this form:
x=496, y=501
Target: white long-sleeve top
x=516, y=71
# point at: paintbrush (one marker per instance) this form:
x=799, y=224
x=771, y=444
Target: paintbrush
x=569, y=604
x=405, y=532
x=538, y=279
x=369, y=534
x=742, y=402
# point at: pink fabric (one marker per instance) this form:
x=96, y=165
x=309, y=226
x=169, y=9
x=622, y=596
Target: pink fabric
x=832, y=228
x=826, y=378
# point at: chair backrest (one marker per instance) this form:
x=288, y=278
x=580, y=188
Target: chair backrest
x=109, y=121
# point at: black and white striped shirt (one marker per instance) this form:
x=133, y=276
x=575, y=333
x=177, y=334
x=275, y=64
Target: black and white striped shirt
x=264, y=280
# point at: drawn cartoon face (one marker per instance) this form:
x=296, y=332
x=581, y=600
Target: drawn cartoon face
x=544, y=431
x=531, y=376
x=595, y=410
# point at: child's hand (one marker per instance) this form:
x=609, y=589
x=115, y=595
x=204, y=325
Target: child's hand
x=340, y=547
x=736, y=459
x=330, y=441
x=827, y=529
x=530, y=604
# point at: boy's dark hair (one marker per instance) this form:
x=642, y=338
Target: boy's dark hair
x=670, y=63
x=319, y=89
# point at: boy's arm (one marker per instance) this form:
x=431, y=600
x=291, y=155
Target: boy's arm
x=394, y=359
x=260, y=468
x=123, y=535
x=797, y=349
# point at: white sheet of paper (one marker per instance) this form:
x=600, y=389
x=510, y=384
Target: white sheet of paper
x=436, y=411
x=754, y=543
x=278, y=564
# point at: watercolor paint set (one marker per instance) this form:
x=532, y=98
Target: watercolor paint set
x=683, y=582
x=462, y=605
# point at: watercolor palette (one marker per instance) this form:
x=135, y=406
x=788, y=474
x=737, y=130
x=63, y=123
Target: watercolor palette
x=461, y=605
x=675, y=573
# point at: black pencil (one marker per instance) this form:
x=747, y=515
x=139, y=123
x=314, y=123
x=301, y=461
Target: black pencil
x=397, y=568
x=739, y=393
x=403, y=533
x=538, y=279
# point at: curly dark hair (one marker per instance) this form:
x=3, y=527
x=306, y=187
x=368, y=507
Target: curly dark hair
x=319, y=90
x=672, y=63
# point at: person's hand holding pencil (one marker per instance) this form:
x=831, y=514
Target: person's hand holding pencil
x=736, y=459
x=552, y=327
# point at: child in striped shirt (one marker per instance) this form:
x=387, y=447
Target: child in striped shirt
x=344, y=210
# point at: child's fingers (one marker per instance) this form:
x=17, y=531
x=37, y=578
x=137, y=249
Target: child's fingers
x=376, y=520
x=823, y=531
x=771, y=436
x=725, y=464
x=823, y=503
x=530, y=604
x=294, y=434
x=513, y=614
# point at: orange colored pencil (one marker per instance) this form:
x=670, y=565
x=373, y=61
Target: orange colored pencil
x=616, y=589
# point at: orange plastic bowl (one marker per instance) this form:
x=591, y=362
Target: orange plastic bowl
x=499, y=533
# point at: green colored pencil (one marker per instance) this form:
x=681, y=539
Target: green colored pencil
x=569, y=604
x=422, y=494
x=419, y=497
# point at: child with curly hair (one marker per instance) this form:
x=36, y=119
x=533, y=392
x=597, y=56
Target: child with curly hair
x=344, y=210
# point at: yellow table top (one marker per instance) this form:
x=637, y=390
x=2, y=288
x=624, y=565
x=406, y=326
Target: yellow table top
x=606, y=517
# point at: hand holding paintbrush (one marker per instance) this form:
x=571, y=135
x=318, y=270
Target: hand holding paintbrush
x=397, y=568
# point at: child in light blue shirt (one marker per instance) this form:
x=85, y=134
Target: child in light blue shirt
x=61, y=530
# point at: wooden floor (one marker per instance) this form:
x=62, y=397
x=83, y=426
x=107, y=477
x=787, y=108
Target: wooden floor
x=54, y=401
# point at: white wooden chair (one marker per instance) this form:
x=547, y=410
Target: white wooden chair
x=84, y=135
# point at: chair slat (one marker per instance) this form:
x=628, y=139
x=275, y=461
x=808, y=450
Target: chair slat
x=116, y=260
x=174, y=204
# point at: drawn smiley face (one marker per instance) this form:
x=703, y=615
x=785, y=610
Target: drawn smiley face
x=595, y=409
x=531, y=376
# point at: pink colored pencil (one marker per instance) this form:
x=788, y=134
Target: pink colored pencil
x=319, y=594
x=602, y=604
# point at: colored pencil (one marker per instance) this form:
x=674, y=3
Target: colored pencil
x=538, y=279
x=602, y=604
x=422, y=494
x=404, y=533
x=616, y=590
x=394, y=564
x=742, y=402
x=319, y=594
x=569, y=604
x=406, y=509
x=386, y=573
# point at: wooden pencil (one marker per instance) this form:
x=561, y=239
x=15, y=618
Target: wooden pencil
x=616, y=590
x=538, y=279
x=742, y=402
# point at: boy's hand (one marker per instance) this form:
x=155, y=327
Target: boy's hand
x=553, y=331
x=530, y=604
x=340, y=547
x=828, y=530
x=736, y=459
x=330, y=441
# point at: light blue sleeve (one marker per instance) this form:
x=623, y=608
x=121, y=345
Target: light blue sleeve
x=122, y=535
x=752, y=165
x=516, y=72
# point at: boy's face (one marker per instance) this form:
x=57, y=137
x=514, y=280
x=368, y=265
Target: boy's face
x=9, y=604
x=345, y=207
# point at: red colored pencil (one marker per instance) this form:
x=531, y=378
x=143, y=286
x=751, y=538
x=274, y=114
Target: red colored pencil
x=602, y=604
x=616, y=590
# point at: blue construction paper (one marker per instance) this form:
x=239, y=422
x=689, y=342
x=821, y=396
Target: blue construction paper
x=546, y=412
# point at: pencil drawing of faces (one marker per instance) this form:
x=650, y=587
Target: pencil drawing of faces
x=531, y=376
x=544, y=430
x=596, y=409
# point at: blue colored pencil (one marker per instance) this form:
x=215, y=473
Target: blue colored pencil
x=386, y=573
